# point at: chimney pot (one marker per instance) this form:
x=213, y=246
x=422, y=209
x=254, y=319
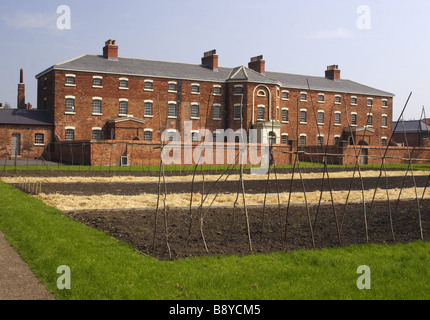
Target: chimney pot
x=257, y=64
x=210, y=60
x=110, y=50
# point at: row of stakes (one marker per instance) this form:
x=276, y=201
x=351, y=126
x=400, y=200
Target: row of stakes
x=31, y=187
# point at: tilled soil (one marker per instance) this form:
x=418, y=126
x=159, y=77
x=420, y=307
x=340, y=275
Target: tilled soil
x=225, y=229
x=251, y=186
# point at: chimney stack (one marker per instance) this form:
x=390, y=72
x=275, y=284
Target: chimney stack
x=257, y=64
x=110, y=50
x=21, y=91
x=332, y=72
x=210, y=60
x=1, y=105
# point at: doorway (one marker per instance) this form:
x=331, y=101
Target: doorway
x=364, y=156
x=16, y=144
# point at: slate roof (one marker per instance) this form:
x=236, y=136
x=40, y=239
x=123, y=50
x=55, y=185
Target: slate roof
x=411, y=126
x=175, y=70
x=26, y=117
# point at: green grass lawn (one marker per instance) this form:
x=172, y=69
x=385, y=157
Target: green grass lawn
x=104, y=268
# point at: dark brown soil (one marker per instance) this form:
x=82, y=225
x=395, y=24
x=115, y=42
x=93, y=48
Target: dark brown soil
x=225, y=230
x=251, y=186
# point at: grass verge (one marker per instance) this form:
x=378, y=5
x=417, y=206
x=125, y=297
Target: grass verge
x=104, y=268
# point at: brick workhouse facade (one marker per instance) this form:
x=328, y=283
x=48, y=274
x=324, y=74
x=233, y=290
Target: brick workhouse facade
x=108, y=98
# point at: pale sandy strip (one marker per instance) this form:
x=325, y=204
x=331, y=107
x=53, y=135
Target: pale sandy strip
x=67, y=202
x=207, y=177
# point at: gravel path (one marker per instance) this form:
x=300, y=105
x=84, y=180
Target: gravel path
x=17, y=282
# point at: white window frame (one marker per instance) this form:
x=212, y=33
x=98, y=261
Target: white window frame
x=356, y=119
x=168, y=110
x=237, y=105
x=386, y=121
x=318, y=116
x=336, y=136
x=176, y=86
x=367, y=102
x=261, y=93
x=70, y=76
x=318, y=137
x=69, y=128
x=220, y=88
x=264, y=112
x=98, y=129
x=74, y=105
x=96, y=113
x=386, y=100
x=191, y=111
x=193, y=132
x=152, y=109
x=288, y=95
x=386, y=143
x=340, y=99
x=323, y=95
x=237, y=86
x=300, y=118
x=356, y=99
x=306, y=95
x=119, y=102
x=148, y=130
x=35, y=140
x=216, y=105
x=306, y=139
x=195, y=85
x=340, y=119
x=97, y=77
x=123, y=79
x=288, y=115
x=282, y=137
x=152, y=85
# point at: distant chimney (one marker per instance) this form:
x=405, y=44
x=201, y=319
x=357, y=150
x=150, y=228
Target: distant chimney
x=21, y=91
x=110, y=50
x=210, y=60
x=332, y=72
x=1, y=105
x=257, y=64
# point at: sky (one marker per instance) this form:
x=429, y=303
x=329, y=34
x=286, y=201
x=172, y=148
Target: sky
x=379, y=43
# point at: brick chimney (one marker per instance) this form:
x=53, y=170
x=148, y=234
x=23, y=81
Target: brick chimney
x=332, y=72
x=110, y=50
x=21, y=91
x=210, y=60
x=257, y=64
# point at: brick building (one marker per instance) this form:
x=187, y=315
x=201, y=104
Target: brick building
x=106, y=98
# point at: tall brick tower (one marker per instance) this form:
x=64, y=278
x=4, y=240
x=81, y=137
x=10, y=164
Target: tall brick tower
x=21, y=91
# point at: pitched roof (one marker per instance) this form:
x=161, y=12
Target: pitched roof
x=411, y=126
x=175, y=70
x=26, y=117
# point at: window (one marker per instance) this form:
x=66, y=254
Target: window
x=147, y=135
x=217, y=90
x=320, y=117
x=320, y=140
x=237, y=112
x=171, y=135
x=123, y=83
x=354, y=101
x=172, y=109
x=303, y=116
x=216, y=136
x=321, y=98
x=147, y=109
x=384, y=103
x=123, y=107
x=337, y=118
x=302, y=140
x=337, y=99
x=195, y=111
x=195, y=88
x=238, y=89
x=272, y=137
x=303, y=96
x=70, y=80
x=149, y=85
x=285, y=95
x=172, y=87
x=39, y=139
x=284, y=138
x=97, y=106
x=97, y=82
x=261, y=93
x=369, y=119
x=369, y=102
x=194, y=136
x=284, y=115
x=337, y=141
x=384, y=141
x=70, y=104
x=70, y=134
x=97, y=134
x=261, y=113
x=384, y=121
x=217, y=112
x=353, y=119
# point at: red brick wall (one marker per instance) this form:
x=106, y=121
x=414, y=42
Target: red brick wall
x=29, y=150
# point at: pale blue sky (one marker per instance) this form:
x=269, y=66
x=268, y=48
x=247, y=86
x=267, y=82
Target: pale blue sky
x=293, y=36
